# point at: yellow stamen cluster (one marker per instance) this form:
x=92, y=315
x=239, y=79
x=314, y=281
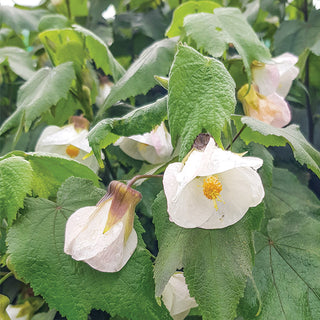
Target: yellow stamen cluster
x=212, y=188
x=72, y=151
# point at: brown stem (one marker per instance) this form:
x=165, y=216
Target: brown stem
x=236, y=136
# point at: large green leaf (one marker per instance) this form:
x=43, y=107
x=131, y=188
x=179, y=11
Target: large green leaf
x=50, y=171
x=225, y=26
x=201, y=97
x=138, y=121
x=287, y=194
x=19, y=61
x=15, y=183
x=295, y=36
x=286, y=270
x=139, y=78
x=185, y=9
x=43, y=90
x=72, y=44
x=216, y=262
x=260, y=132
x=19, y=19
x=36, y=243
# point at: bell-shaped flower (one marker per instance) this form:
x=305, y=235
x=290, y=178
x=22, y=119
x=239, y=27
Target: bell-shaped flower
x=213, y=188
x=277, y=76
x=272, y=109
x=271, y=83
x=176, y=297
x=103, y=235
x=154, y=147
x=70, y=141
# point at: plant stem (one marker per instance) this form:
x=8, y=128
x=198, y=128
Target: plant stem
x=236, y=136
x=142, y=176
x=4, y=278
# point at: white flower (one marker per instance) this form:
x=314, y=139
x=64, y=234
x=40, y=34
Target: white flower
x=271, y=83
x=154, y=147
x=70, y=141
x=103, y=235
x=272, y=109
x=104, y=90
x=176, y=297
x=213, y=189
x=277, y=76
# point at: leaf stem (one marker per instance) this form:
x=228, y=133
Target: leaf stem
x=236, y=136
x=4, y=278
x=142, y=176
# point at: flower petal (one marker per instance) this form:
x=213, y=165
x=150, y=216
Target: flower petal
x=266, y=78
x=176, y=297
x=113, y=257
x=187, y=205
x=241, y=189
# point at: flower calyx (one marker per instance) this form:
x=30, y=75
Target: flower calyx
x=124, y=201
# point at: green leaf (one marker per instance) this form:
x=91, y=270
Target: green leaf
x=19, y=19
x=287, y=194
x=19, y=61
x=225, y=26
x=139, y=78
x=101, y=54
x=295, y=36
x=286, y=270
x=43, y=90
x=59, y=43
x=201, y=97
x=260, y=132
x=216, y=262
x=36, y=243
x=138, y=121
x=53, y=21
x=15, y=183
x=50, y=171
x=185, y=9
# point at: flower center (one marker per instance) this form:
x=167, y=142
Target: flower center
x=212, y=188
x=72, y=151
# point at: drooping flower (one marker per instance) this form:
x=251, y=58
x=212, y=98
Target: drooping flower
x=176, y=297
x=213, y=188
x=70, y=141
x=271, y=109
x=154, y=147
x=103, y=235
x=277, y=76
x=271, y=83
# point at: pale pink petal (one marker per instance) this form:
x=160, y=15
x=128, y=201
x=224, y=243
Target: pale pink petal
x=176, y=297
x=266, y=78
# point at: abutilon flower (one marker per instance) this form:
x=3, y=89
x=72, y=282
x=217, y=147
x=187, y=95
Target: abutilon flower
x=176, y=297
x=271, y=109
x=103, y=235
x=154, y=147
x=70, y=141
x=213, y=188
x=271, y=84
